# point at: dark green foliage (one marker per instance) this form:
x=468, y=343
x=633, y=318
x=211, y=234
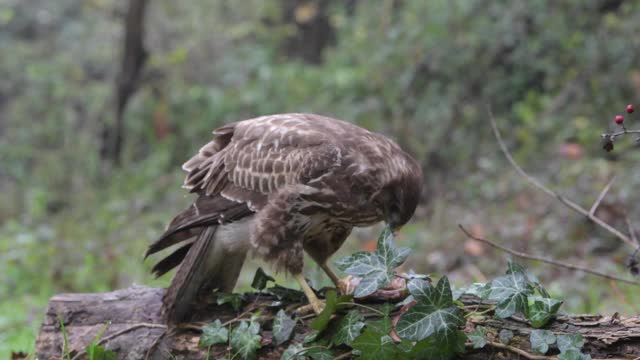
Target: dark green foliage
x=541, y=310
x=260, y=279
x=375, y=342
x=235, y=300
x=333, y=302
x=434, y=348
x=98, y=352
x=349, y=328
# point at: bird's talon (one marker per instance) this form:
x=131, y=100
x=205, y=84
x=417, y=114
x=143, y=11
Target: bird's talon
x=313, y=307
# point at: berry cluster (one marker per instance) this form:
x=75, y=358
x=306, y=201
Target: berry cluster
x=608, y=139
x=619, y=119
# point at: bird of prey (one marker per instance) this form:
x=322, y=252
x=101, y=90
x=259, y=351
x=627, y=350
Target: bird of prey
x=278, y=186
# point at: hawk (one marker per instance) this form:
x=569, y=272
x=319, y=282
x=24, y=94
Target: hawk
x=279, y=186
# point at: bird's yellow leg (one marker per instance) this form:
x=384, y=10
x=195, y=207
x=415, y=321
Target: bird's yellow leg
x=316, y=304
x=331, y=274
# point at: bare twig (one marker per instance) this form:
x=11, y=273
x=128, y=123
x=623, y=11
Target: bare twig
x=153, y=345
x=546, y=260
x=520, y=352
x=631, y=230
x=603, y=193
x=621, y=297
x=346, y=355
x=625, y=131
x=570, y=204
x=121, y=332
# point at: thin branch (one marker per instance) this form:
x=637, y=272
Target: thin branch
x=631, y=230
x=546, y=260
x=625, y=131
x=603, y=193
x=122, y=332
x=520, y=352
x=570, y=204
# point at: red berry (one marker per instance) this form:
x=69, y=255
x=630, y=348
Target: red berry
x=630, y=109
x=619, y=119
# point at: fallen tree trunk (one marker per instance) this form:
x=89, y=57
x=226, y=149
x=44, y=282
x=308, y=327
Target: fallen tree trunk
x=135, y=329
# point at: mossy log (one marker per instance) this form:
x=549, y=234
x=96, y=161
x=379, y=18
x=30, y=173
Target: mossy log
x=135, y=329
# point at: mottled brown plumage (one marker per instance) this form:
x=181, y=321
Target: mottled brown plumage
x=280, y=185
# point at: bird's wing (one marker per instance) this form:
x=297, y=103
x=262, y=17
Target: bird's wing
x=248, y=160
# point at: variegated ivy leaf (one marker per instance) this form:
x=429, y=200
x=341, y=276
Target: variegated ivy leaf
x=510, y=291
x=245, y=340
x=349, y=328
x=283, y=326
x=434, y=313
x=478, y=337
x=541, y=339
x=505, y=336
x=376, y=269
x=541, y=310
x=570, y=342
x=214, y=333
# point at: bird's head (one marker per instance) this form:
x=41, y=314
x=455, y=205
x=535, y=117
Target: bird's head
x=399, y=198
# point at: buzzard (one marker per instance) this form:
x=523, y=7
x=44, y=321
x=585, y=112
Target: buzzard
x=279, y=186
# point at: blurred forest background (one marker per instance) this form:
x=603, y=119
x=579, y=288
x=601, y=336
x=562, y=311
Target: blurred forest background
x=92, y=135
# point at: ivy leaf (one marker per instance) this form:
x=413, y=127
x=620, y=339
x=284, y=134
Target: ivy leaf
x=293, y=352
x=282, y=327
x=541, y=310
x=505, y=336
x=376, y=269
x=570, y=342
x=245, y=339
x=98, y=352
x=214, y=333
x=433, y=313
x=478, y=337
x=480, y=290
x=260, y=279
x=433, y=348
x=331, y=305
x=541, y=339
x=319, y=353
x=392, y=256
x=573, y=354
x=349, y=328
x=299, y=352
x=514, y=268
x=510, y=291
x=234, y=299
x=376, y=344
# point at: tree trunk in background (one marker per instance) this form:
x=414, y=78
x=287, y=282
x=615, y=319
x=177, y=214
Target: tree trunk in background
x=134, y=56
x=313, y=30
x=136, y=331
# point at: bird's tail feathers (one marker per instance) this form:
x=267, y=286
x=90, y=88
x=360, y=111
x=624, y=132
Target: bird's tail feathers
x=209, y=264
